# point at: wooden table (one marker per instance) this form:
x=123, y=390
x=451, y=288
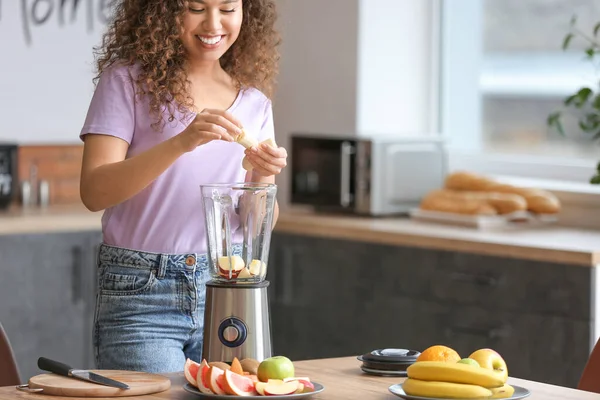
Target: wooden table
x=342, y=379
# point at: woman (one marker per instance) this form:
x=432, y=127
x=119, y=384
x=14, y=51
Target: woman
x=177, y=81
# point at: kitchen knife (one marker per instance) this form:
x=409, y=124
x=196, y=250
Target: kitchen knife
x=65, y=370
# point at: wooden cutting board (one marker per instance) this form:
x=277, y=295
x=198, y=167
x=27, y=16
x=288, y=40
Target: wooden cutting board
x=139, y=383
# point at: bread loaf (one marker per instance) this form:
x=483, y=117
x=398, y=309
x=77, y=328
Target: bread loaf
x=439, y=200
x=475, y=203
x=538, y=201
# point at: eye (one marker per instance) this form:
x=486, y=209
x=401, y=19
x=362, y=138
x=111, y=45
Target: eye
x=196, y=10
x=232, y=10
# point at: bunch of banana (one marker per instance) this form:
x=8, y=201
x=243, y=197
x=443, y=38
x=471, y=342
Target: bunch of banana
x=448, y=380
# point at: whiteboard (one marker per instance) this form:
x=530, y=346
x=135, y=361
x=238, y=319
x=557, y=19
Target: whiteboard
x=46, y=67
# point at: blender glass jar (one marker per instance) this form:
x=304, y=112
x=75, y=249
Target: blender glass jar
x=239, y=221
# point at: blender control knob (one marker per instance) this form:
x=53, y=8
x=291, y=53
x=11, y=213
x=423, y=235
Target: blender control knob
x=232, y=332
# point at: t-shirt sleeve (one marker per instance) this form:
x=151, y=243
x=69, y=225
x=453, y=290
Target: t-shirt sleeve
x=267, y=129
x=112, y=108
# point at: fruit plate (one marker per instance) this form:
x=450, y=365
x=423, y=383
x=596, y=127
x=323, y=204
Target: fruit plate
x=520, y=393
x=190, y=389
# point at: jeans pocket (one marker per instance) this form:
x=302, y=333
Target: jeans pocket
x=120, y=280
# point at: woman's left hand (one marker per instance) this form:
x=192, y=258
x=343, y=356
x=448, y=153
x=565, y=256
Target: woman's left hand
x=267, y=160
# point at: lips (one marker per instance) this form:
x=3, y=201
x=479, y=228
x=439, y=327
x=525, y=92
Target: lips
x=210, y=40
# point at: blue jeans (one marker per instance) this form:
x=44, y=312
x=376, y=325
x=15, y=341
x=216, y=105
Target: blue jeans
x=149, y=309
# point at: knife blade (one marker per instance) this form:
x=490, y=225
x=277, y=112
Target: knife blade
x=65, y=370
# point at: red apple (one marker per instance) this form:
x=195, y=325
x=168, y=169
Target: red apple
x=490, y=359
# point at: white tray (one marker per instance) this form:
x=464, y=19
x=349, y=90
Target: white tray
x=520, y=218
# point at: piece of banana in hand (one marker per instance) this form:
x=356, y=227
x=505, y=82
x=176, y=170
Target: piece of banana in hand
x=246, y=164
x=245, y=140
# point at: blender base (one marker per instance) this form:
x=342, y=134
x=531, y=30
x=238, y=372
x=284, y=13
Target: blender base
x=236, y=322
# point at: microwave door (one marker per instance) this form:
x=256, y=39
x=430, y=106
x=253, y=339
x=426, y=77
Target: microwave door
x=323, y=173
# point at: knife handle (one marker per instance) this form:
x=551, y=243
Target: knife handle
x=53, y=366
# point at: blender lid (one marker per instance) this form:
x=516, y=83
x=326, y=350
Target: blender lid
x=398, y=356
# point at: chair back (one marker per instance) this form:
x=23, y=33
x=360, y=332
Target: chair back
x=590, y=378
x=9, y=374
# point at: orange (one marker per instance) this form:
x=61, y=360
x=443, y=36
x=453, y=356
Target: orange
x=439, y=353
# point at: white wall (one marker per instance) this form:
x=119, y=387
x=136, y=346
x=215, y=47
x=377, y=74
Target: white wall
x=46, y=67
x=397, y=82
x=356, y=67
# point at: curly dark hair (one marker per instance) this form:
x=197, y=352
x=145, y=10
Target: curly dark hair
x=147, y=33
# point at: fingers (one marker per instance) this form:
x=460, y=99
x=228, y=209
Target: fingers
x=225, y=119
x=277, y=152
x=267, y=160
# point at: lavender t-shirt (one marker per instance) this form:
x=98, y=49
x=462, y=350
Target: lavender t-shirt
x=167, y=216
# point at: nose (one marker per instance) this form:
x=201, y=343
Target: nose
x=212, y=23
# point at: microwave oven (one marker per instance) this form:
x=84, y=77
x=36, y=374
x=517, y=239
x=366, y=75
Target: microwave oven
x=376, y=176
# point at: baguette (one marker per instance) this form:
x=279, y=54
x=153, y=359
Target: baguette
x=438, y=201
x=474, y=202
x=538, y=201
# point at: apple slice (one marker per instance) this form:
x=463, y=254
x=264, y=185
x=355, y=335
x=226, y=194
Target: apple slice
x=235, y=264
x=304, y=383
x=202, y=378
x=297, y=378
x=260, y=388
x=244, y=274
x=256, y=266
x=281, y=389
x=215, y=380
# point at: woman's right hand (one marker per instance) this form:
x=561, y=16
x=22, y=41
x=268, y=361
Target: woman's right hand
x=207, y=126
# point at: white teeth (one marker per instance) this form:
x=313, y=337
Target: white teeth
x=210, y=40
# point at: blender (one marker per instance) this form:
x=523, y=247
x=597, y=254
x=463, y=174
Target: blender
x=239, y=220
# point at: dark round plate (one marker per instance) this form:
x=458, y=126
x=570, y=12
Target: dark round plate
x=190, y=389
x=520, y=393
x=379, y=372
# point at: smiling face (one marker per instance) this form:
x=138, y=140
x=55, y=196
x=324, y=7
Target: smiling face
x=210, y=27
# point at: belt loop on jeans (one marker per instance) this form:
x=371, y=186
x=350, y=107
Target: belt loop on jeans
x=162, y=265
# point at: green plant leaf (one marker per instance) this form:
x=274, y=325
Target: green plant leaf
x=595, y=180
x=596, y=102
x=597, y=29
x=582, y=96
x=590, y=123
x=567, y=40
x=554, y=121
x=590, y=52
x=570, y=99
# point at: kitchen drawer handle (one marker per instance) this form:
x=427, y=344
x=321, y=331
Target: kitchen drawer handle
x=478, y=279
x=489, y=333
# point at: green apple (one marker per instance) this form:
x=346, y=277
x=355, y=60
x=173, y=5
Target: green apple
x=468, y=361
x=277, y=367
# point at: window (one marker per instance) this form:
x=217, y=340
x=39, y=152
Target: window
x=503, y=73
